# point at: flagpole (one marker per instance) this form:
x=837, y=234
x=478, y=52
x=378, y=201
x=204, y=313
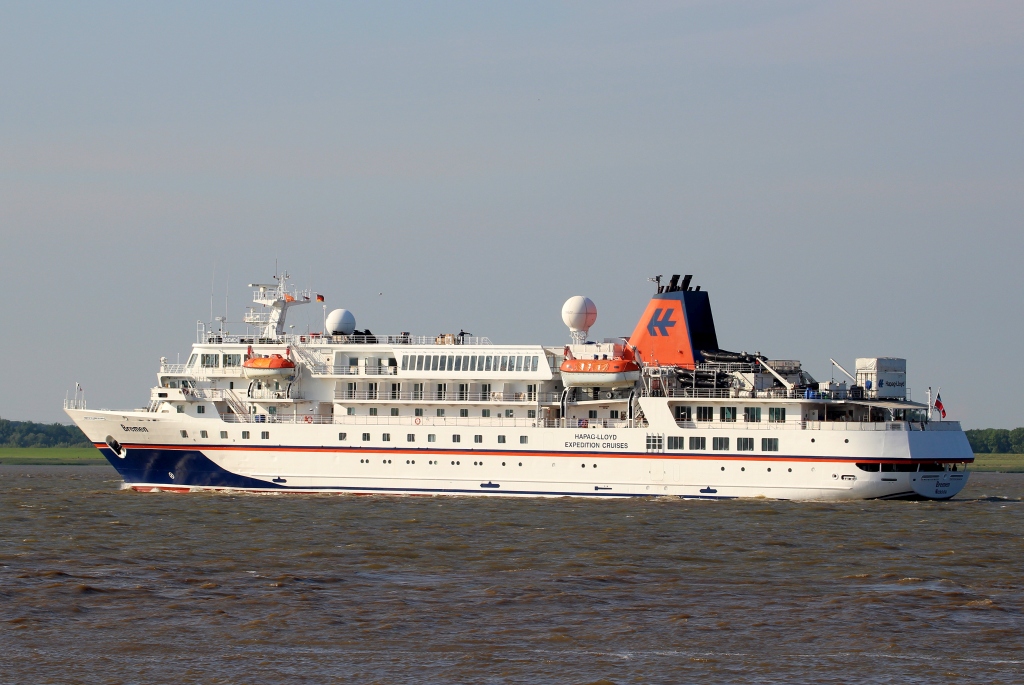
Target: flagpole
x=929, y=403
x=938, y=393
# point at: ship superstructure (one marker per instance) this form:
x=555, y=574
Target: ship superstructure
x=665, y=411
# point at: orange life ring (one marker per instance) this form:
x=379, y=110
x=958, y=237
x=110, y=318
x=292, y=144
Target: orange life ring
x=308, y=419
x=417, y=420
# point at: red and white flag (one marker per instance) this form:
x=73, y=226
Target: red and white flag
x=938, y=405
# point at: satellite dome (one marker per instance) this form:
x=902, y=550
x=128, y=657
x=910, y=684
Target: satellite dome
x=340, y=322
x=579, y=314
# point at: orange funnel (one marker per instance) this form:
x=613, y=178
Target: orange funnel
x=674, y=328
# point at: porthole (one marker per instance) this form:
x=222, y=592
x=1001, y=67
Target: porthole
x=847, y=440
x=413, y=461
x=520, y=463
x=583, y=465
x=595, y=466
x=502, y=463
x=791, y=470
x=406, y=461
x=453, y=463
x=723, y=468
x=769, y=469
x=812, y=439
x=743, y=468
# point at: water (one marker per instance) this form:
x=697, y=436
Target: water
x=100, y=585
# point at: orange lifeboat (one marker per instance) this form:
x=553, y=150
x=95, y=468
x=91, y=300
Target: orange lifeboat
x=599, y=373
x=274, y=366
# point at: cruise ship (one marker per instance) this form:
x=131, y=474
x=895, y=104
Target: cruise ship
x=662, y=412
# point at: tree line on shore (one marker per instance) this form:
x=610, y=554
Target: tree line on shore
x=32, y=434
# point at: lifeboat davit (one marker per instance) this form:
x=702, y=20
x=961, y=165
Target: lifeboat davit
x=274, y=366
x=599, y=373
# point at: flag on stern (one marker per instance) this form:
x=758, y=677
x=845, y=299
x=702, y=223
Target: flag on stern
x=938, y=405
x=319, y=297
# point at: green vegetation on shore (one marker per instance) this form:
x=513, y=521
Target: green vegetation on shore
x=32, y=434
x=52, y=456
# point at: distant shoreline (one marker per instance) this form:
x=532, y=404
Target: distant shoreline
x=90, y=456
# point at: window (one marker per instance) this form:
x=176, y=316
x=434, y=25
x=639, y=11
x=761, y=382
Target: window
x=350, y=391
x=181, y=408
x=434, y=362
x=531, y=413
x=478, y=439
x=191, y=361
x=463, y=392
x=366, y=437
x=203, y=434
x=371, y=391
x=417, y=391
x=373, y=411
x=209, y=361
x=509, y=413
x=485, y=391
x=592, y=414
x=405, y=362
x=431, y=437
x=486, y=413
x=202, y=409
x=456, y=438
x=444, y=364
x=770, y=444
x=418, y=411
x=705, y=413
x=684, y=414
x=654, y=442
x=719, y=443
x=523, y=439
x=463, y=413
x=419, y=362
x=411, y=437
x=440, y=412
x=752, y=415
x=230, y=360
x=396, y=392
x=745, y=444
x=501, y=439
x=386, y=437
x=223, y=435
x=504, y=363
x=245, y=435
x=265, y=435
x=442, y=390
x=533, y=364
x=184, y=434
x=698, y=443
x=776, y=415
x=458, y=363
x=394, y=411
x=487, y=363
x=472, y=363
x=676, y=443
x=270, y=410
x=342, y=437
x=727, y=414
x=351, y=411
x=613, y=414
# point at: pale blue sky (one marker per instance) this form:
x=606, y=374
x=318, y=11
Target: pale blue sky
x=846, y=179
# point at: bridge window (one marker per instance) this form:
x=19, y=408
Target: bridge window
x=705, y=413
x=752, y=415
x=745, y=444
x=419, y=362
x=769, y=444
x=209, y=361
x=720, y=443
x=231, y=360
x=533, y=364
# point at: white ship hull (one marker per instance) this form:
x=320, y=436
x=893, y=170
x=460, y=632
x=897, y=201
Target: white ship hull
x=584, y=462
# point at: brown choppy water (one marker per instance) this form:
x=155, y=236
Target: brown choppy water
x=99, y=585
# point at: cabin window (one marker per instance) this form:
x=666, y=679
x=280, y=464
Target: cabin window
x=463, y=413
x=523, y=439
x=184, y=434
x=705, y=413
x=245, y=435
x=180, y=408
x=431, y=437
x=366, y=437
x=203, y=434
x=209, y=361
x=752, y=415
x=592, y=414
x=478, y=439
x=351, y=411
x=456, y=438
x=394, y=411
x=202, y=409
x=440, y=412
x=486, y=413
x=698, y=443
x=418, y=411
x=675, y=443
x=272, y=410
x=342, y=437
x=745, y=444
x=532, y=413
x=501, y=439
x=442, y=391
x=872, y=468
x=373, y=411
x=386, y=437
x=776, y=415
x=265, y=435
x=654, y=442
x=613, y=414
x=719, y=443
x=223, y=435
x=682, y=414
x=371, y=391
x=510, y=413
x=410, y=437
x=769, y=444
x=727, y=414
x=485, y=391
x=417, y=391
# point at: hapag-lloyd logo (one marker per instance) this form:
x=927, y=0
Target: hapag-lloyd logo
x=892, y=384
x=660, y=323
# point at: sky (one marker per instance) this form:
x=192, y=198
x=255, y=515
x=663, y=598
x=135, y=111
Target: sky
x=846, y=179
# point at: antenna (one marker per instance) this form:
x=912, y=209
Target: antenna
x=213, y=281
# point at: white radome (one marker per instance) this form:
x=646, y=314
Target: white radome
x=340, y=322
x=579, y=313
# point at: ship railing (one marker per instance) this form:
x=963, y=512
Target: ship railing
x=823, y=425
x=74, y=403
x=354, y=339
x=385, y=394
x=413, y=421
x=769, y=393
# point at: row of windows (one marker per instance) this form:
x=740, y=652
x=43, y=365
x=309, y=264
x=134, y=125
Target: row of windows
x=441, y=362
x=463, y=413
x=697, y=443
x=212, y=361
x=431, y=437
x=728, y=414
x=264, y=435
